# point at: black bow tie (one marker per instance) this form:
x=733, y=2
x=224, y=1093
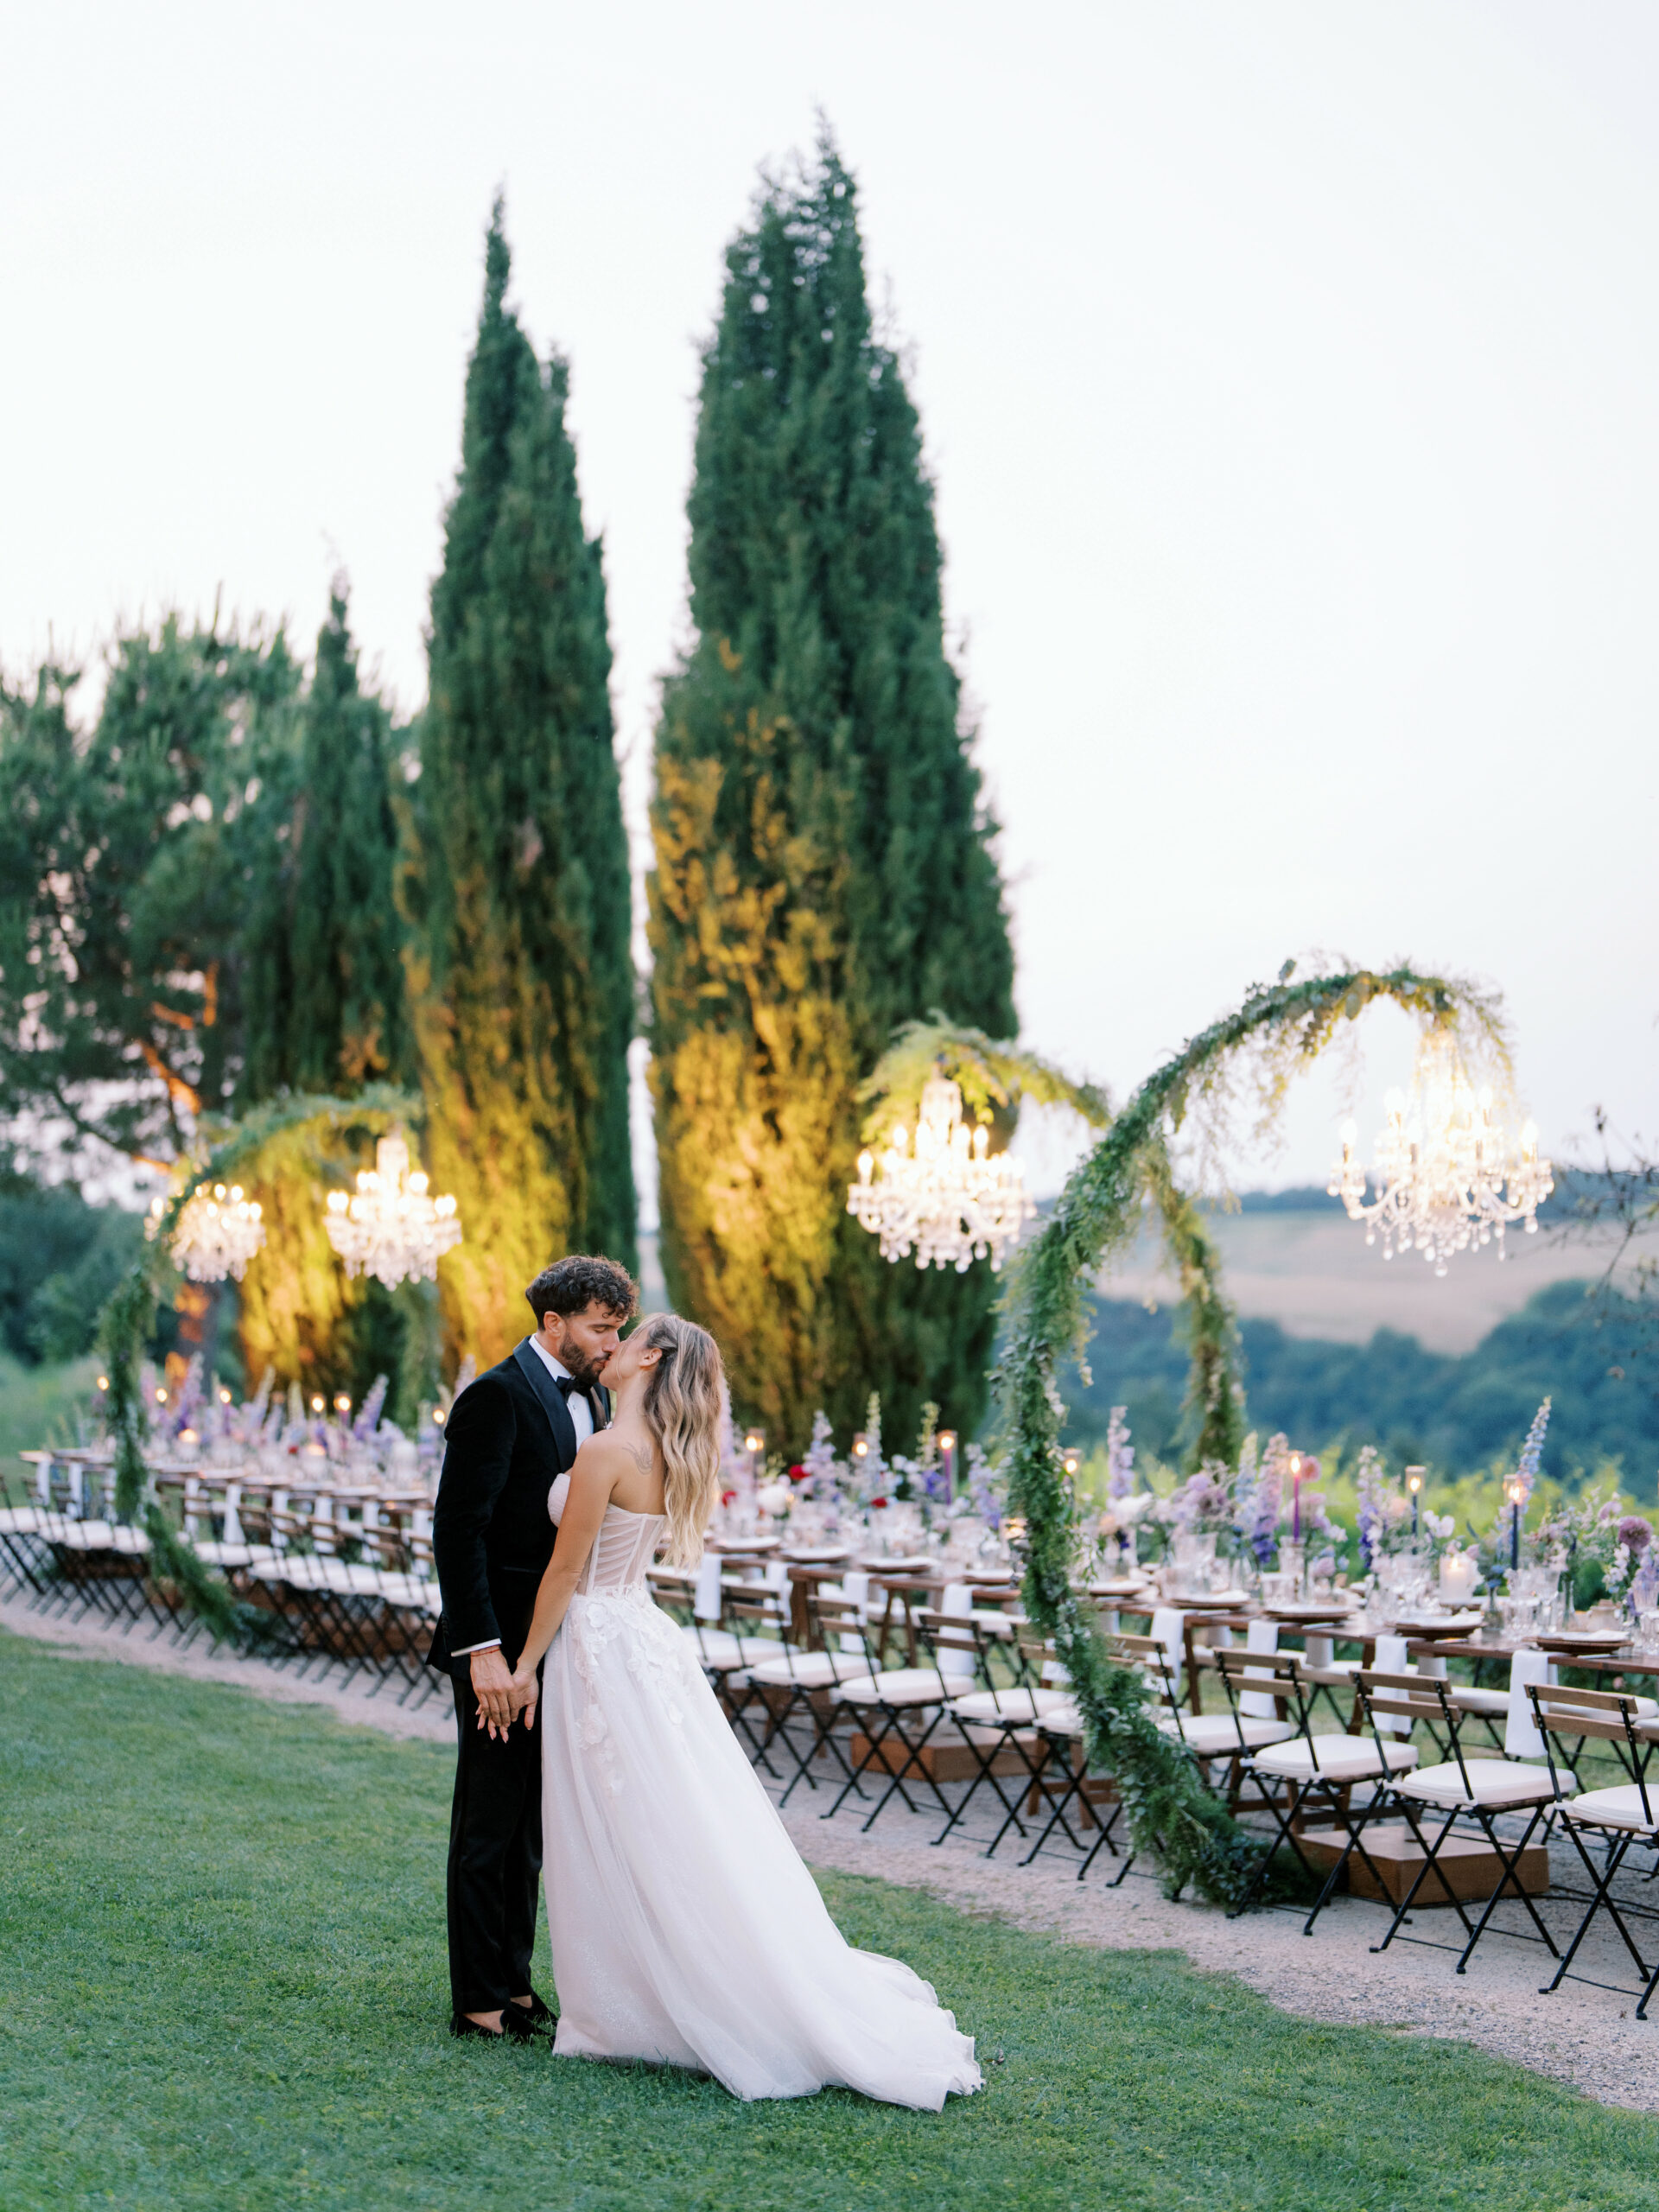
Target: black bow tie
x=564, y=1384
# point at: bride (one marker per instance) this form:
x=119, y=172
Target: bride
x=685, y=1928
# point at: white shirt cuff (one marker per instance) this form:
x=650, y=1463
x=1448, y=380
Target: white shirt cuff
x=495, y=1645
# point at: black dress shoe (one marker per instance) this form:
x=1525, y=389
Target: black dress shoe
x=538, y=2012
x=461, y=2025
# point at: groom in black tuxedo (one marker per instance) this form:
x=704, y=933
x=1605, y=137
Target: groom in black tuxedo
x=509, y=1435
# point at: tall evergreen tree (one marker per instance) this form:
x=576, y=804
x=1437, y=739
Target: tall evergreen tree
x=824, y=861
x=326, y=1013
x=519, y=970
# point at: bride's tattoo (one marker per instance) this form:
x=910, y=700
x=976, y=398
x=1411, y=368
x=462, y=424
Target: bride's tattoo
x=640, y=1456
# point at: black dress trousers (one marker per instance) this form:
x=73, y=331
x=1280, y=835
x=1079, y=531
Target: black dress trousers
x=495, y=1857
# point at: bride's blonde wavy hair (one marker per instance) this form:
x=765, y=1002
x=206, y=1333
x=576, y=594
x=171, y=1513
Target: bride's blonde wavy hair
x=681, y=1408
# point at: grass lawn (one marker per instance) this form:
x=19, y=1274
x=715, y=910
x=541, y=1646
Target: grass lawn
x=222, y=1985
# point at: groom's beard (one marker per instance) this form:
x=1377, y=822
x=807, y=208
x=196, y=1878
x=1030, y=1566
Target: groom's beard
x=584, y=1372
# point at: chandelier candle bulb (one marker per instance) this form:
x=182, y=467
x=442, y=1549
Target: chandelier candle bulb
x=947, y=1444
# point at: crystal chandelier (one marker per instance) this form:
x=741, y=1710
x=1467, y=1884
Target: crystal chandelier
x=218, y=1232
x=946, y=1199
x=1442, y=1165
x=390, y=1226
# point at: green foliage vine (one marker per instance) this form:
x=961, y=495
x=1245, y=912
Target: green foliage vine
x=128, y=1317
x=1281, y=1028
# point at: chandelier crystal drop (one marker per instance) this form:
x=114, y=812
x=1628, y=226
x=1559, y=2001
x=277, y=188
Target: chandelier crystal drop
x=1447, y=1174
x=390, y=1227
x=945, y=1197
x=218, y=1232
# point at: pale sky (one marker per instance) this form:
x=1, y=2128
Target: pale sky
x=1287, y=373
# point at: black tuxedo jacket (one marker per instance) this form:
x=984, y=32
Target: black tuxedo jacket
x=509, y=1434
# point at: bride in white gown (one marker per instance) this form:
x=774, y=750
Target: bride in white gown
x=685, y=1927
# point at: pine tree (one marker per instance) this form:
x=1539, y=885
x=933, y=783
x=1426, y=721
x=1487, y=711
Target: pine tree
x=520, y=972
x=824, y=862
x=325, y=1013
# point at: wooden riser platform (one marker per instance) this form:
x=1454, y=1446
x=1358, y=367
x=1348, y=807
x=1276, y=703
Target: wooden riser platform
x=1471, y=1868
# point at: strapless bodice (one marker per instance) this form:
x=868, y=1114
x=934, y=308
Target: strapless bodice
x=624, y=1548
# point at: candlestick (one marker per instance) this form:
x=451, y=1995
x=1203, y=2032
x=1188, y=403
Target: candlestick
x=1515, y=1535
x=1295, y=1498
x=1414, y=1484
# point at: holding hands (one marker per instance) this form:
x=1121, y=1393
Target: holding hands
x=502, y=1694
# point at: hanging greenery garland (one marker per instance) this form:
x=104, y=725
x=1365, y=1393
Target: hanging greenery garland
x=1278, y=1031
x=127, y=1318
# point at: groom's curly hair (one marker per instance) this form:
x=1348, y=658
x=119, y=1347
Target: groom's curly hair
x=581, y=1280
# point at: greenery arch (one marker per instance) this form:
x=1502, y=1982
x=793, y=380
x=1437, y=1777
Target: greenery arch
x=1173, y=1817
x=125, y=1327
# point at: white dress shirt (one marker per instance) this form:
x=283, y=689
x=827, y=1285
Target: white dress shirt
x=581, y=1419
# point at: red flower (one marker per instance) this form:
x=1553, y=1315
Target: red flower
x=797, y=1474
x=876, y=1502
x=727, y=1495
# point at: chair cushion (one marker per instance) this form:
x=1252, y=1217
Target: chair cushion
x=719, y=1648
x=1341, y=1759
x=86, y=1535
x=898, y=1686
x=1617, y=1808
x=1496, y=1702
x=1209, y=1734
x=1491, y=1782
x=813, y=1671
x=1020, y=1706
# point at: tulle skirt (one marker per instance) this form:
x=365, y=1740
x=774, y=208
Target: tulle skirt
x=685, y=1927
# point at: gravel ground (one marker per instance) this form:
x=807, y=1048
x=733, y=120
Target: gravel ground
x=1584, y=2035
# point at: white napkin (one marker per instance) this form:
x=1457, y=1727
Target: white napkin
x=1321, y=1651
x=775, y=1578
x=1520, y=1737
x=1168, y=1628
x=1392, y=1659
x=706, y=1604
x=856, y=1584
x=1257, y=1704
x=957, y=1603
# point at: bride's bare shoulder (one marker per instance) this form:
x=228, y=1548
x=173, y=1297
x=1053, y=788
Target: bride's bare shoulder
x=606, y=1455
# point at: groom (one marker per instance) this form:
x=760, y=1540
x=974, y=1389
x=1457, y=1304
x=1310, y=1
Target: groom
x=509, y=1436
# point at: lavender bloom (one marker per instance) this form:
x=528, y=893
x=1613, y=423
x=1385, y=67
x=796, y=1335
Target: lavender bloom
x=1120, y=1455
x=984, y=1482
x=1373, y=1503
x=1635, y=1533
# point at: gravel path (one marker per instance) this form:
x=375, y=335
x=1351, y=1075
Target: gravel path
x=1586, y=2036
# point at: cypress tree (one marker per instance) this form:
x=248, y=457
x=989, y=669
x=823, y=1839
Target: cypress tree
x=520, y=977
x=327, y=1014
x=824, y=862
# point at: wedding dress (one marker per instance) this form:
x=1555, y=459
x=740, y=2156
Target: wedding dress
x=685, y=1927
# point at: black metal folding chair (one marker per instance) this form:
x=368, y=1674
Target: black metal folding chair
x=1473, y=1794
x=1618, y=1818
x=1316, y=1772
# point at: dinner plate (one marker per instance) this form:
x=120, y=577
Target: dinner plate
x=1582, y=1639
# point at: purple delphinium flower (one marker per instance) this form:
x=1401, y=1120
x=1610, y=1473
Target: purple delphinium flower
x=1532, y=1451
x=1635, y=1533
